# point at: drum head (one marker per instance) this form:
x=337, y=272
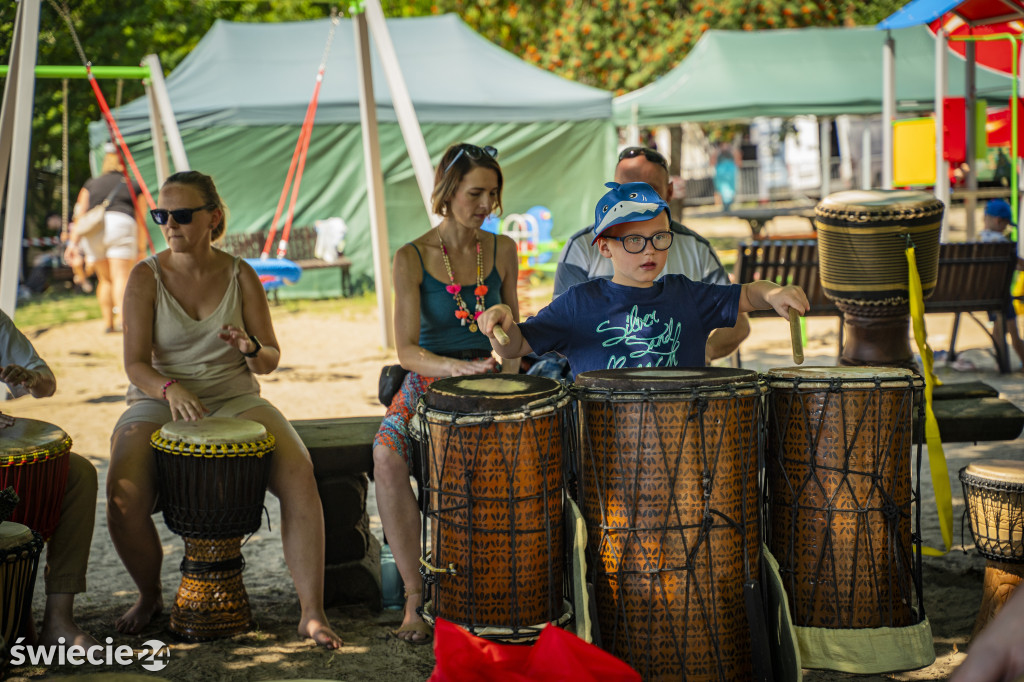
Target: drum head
x=853, y=377
x=1001, y=470
x=214, y=431
x=489, y=392
x=664, y=378
x=28, y=437
x=14, y=535
x=877, y=201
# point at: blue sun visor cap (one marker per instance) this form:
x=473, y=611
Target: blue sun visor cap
x=629, y=202
x=998, y=208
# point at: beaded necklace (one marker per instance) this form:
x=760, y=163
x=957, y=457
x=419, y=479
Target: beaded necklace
x=461, y=309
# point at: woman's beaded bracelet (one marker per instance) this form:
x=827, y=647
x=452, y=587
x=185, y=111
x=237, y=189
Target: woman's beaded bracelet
x=166, y=386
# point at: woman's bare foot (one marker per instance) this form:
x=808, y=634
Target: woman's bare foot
x=139, y=615
x=319, y=630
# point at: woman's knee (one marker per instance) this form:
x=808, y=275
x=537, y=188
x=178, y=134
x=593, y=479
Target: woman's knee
x=388, y=465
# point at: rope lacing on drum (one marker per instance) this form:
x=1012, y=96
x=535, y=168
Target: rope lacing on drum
x=236, y=565
x=963, y=518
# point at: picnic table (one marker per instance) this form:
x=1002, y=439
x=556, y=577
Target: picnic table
x=759, y=216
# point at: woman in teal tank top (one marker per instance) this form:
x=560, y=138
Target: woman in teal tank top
x=443, y=279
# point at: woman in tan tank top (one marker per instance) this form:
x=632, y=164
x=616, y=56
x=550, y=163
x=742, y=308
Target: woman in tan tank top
x=197, y=329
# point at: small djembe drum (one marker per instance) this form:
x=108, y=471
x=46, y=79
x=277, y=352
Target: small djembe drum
x=212, y=476
x=994, y=497
x=668, y=489
x=494, y=497
x=862, y=241
x=19, y=557
x=839, y=498
x=34, y=461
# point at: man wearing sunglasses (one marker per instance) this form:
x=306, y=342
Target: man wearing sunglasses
x=689, y=253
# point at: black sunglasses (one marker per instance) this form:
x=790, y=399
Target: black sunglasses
x=473, y=152
x=646, y=152
x=182, y=216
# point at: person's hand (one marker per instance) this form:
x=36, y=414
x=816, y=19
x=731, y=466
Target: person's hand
x=6, y=420
x=236, y=338
x=185, y=405
x=499, y=315
x=16, y=375
x=784, y=298
x=996, y=654
x=463, y=368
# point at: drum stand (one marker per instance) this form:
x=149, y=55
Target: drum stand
x=211, y=602
x=1001, y=579
x=877, y=340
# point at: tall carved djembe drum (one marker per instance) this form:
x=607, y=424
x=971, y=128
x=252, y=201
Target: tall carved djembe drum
x=862, y=242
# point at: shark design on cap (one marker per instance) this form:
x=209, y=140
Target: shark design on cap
x=629, y=202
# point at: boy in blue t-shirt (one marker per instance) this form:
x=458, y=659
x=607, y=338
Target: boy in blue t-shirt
x=635, y=320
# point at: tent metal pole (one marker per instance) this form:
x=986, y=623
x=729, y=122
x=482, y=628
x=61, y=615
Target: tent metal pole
x=865, y=156
x=374, y=184
x=888, y=106
x=156, y=131
x=166, y=112
x=971, y=99
x=15, y=135
x=942, y=192
x=402, y=102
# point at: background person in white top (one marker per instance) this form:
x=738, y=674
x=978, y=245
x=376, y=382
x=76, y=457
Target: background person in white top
x=690, y=254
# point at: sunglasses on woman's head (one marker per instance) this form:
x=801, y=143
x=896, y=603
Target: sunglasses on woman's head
x=473, y=152
x=182, y=216
x=646, y=152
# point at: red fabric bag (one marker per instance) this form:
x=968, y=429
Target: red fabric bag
x=556, y=656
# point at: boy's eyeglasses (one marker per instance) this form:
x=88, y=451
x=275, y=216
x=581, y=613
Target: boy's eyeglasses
x=646, y=152
x=182, y=216
x=636, y=243
x=473, y=152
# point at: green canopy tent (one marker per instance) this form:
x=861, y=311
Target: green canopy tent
x=737, y=75
x=240, y=96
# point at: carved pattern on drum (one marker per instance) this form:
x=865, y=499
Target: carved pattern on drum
x=211, y=604
x=669, y=494
x=495, y=504
x=839, y=499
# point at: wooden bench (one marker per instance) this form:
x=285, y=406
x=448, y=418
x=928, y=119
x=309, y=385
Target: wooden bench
x=973, y=277
x=301, y=250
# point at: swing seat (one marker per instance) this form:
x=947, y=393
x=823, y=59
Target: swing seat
x=275, y=272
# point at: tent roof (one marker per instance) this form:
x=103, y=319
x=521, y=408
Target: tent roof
x=735, y=75
x=264, y=74
x=974, y=12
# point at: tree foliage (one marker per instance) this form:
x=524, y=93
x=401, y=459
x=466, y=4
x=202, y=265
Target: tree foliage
x=617, y=45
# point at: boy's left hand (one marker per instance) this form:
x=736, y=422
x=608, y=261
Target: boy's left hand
x=784, y=298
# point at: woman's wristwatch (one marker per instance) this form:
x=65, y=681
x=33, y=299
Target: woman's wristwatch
x=256, y=347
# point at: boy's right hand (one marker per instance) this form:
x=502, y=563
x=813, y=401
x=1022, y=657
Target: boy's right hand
x=499, y=315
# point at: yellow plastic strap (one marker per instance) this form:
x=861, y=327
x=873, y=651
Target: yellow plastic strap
x=936, y=455
x=1017, y=289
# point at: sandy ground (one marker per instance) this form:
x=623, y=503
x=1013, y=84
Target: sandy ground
x=330, y=366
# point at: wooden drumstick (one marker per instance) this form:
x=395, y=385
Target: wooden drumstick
x=500, y=334
x=795, y=336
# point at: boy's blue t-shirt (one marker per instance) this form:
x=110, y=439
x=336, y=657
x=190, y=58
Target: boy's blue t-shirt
x=603, y=325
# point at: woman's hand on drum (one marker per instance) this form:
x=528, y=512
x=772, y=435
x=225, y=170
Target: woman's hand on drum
x=185, y=405
x=461, y=368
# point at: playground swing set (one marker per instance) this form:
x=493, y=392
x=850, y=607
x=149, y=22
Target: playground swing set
x=273, y=272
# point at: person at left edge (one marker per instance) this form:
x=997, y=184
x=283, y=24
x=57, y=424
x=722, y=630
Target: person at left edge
x=67, y=551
